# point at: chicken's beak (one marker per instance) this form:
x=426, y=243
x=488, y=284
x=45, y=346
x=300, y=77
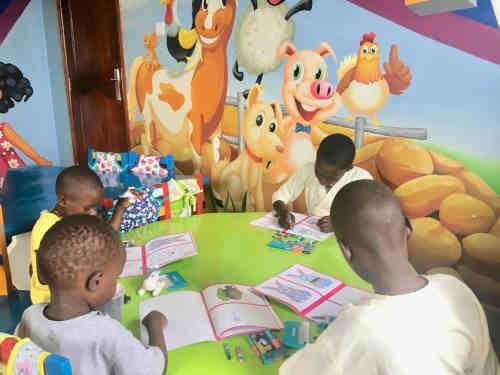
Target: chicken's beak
x=166, y=2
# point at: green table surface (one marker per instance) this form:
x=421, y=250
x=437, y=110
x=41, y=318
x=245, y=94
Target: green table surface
x=230, y=250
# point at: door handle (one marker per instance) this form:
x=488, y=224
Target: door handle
x=118, y=80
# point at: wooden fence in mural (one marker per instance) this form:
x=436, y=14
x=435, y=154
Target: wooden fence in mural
x=360, y=126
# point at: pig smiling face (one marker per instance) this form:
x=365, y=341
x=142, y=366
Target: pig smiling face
x=307, y=93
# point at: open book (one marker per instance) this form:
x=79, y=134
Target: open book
x=309, y=293
x=305, y=226
x=158, y=253
x=217, y=312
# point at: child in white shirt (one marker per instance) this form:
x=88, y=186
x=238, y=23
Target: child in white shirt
x=320, y=181
x=80, y=258
x=413, y=325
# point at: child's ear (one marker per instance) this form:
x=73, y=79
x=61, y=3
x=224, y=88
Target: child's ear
x=94, y=281
x=345, y=250
x=62, y=200
x=409, y=228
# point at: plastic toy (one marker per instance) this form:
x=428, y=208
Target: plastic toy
x=156, y=281
x=297, y=334
x=266, y=346
x=23, y=357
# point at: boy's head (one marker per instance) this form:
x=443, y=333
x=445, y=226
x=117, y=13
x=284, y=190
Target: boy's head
x=79, y=191
x=334, y=157
x=81, y=255
x=370, y=228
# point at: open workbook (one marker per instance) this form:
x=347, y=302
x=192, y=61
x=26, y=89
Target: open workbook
x=305, y=226
x=309, y=293
x=158, y=253
x=217, y=312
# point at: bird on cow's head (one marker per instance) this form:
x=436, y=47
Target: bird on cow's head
x=180, y=41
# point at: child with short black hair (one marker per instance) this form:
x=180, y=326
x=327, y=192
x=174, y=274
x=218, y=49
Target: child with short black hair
x=79, y=191
x=413, y=324
x=320, y=181
x=80, y=258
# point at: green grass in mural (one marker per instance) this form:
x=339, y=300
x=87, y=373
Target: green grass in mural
x=487, y=169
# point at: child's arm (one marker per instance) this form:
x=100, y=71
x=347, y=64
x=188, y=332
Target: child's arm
x=155, y=322
x=116, y=219
x=287, y=193
x=23, y=146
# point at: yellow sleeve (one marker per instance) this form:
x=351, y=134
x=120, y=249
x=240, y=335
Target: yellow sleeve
x=40, y=293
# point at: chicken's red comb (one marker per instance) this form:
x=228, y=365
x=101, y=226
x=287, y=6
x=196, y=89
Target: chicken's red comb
x=370, y=37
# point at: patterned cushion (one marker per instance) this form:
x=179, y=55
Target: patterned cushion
x=140, y=212
x=150, y=165
x=106, y=162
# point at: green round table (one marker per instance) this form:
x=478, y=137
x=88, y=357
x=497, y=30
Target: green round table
x=230, y=250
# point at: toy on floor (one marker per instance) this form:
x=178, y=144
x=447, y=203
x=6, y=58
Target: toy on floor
x=23, y=357
x=156, y=281
x=266, y=346
x=292, y=242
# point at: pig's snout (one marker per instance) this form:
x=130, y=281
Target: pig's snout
x=322, y=89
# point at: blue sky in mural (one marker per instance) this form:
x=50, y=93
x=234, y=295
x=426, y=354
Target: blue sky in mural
x=453, y=95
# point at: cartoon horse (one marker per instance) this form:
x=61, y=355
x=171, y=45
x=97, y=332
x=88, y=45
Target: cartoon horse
x=181, y=112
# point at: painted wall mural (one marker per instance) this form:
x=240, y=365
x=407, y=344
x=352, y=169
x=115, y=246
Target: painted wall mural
x=14, y=87
x=244, y=91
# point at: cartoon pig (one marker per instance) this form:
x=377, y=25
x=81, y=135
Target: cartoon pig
x=309, y=98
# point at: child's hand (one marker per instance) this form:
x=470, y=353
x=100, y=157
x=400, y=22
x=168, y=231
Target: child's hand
x=122, y=204
x=325, y=224
x=155, y=321
x=286, y=219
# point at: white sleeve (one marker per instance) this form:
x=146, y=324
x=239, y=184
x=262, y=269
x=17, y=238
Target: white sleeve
x=130, y=356
x=362, y=174
x=291, y=189
x=345, y=348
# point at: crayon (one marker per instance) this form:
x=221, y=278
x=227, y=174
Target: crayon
x=273, y=339
x=227, y=350
x=239, y=354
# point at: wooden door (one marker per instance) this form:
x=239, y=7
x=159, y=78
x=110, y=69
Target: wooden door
x=91, y=38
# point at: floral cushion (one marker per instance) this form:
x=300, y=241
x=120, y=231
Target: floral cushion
x=150, y=165
x=140, y=211
x=106, y=162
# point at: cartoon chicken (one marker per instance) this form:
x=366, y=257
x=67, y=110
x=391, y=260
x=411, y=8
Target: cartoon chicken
x=363, y=87
x=180, y=41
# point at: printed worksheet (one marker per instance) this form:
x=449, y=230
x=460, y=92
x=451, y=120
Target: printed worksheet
x=305, y=226
x=310, y=293
x=218, y=312
x=158, y=253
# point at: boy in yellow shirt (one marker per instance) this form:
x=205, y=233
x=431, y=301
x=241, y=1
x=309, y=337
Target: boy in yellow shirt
x=79, y=191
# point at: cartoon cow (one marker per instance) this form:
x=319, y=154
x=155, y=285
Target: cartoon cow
x=309, y=98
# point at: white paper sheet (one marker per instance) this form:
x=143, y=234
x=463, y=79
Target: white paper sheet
x=133, y=263
x=167, y=249
x=305, y=226
x=188, y=321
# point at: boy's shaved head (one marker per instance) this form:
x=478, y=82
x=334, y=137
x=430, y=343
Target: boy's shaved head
x=75, y=244
x=365, y=214
x=373, y=234
x=74, y=179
